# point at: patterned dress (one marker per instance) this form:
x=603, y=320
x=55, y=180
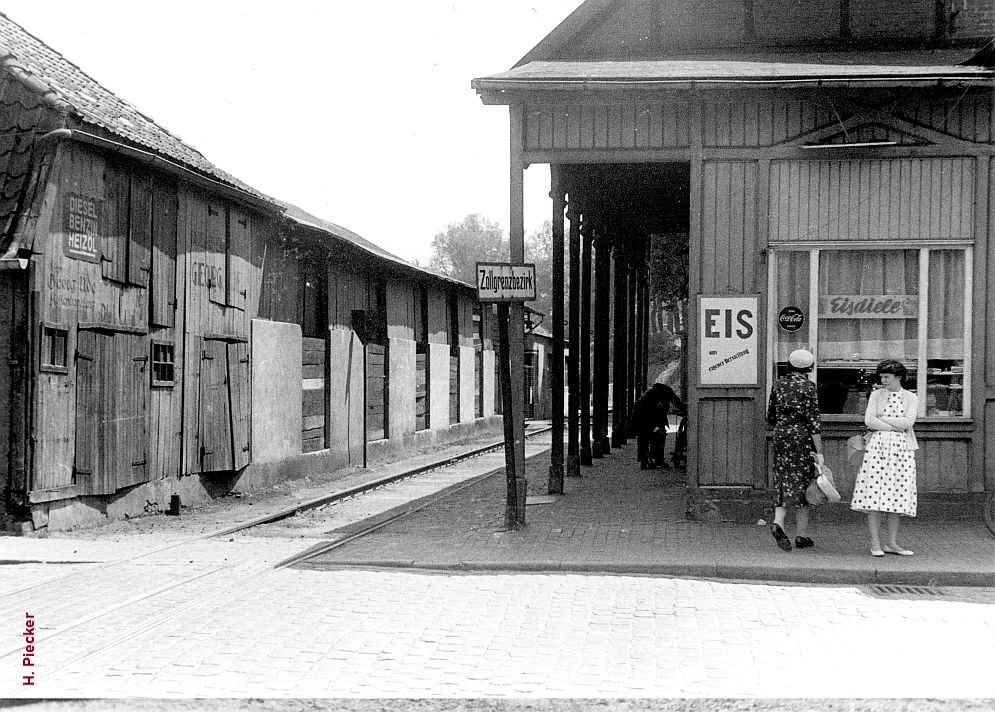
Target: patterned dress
x=794, y=413
x=886, y=481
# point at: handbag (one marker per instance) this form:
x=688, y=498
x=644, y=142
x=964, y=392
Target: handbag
x=822, y=489
x=859, y=442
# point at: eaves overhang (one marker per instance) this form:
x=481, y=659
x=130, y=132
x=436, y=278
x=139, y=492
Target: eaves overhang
x=594, y=77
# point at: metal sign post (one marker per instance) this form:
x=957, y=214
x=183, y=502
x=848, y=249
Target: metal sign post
x=510, y=285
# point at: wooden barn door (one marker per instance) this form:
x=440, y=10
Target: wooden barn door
x=14, y=426
x=112, y=386
x=223, y=412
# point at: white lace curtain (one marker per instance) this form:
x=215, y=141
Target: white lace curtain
x=875, y=272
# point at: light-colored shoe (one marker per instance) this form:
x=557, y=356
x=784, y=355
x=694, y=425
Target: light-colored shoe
x=877, y=553
x=897, y=551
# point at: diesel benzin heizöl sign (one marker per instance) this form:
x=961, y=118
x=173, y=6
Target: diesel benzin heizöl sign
x=502, y=282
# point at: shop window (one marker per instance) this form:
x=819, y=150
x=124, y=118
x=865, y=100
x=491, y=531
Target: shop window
x=55, y=349
x=912, y=305
x=163, y=364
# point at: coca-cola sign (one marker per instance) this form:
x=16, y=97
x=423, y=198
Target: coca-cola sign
x=869, y=306
x=790, y=319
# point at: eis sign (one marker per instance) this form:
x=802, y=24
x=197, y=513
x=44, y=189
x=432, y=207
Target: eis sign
x=728, y=345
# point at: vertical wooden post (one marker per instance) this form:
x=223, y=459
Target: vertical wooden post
x=587, y=230
x=510, y=472
x=632, y=264
x=647, y=264
x=619, y=350
x=640, y=340
x=556, y=371
x=602, y=308
x=573, y=370
x=515, y=445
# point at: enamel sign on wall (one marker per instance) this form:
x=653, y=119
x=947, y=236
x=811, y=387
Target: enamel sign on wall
x=728, y=344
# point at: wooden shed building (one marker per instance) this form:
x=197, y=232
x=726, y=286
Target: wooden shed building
x=167, y=329
x=830, y=164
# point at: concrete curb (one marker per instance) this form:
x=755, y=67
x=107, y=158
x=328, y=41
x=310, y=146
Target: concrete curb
x=703, y=570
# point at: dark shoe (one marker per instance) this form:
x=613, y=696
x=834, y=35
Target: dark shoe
x=803, y=542
x=664, y=465
x=643, y=466
x=780, y=537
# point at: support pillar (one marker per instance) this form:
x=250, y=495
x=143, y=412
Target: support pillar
x=602, y=314
x=587, y=234
x=619, y=347
x=647, y=265
x=515, y=430
x=556, y=371
x=632, y=262
x=573, y=366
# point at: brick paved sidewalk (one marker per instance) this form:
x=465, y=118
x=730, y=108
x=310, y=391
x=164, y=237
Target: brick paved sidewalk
x=617, y=518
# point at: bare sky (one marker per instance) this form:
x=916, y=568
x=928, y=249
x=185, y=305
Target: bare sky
x=359, y=112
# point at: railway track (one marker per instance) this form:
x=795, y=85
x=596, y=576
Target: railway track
x=150, y=604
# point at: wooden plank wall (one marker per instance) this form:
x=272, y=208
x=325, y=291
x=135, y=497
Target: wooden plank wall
x=897, y=199
x=728, y=423
x=660, y=124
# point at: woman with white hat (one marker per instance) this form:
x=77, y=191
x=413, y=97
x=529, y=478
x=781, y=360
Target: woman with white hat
x=794, y=413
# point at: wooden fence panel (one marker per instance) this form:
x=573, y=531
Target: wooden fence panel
x=453, y=388
x=422, y=411
x=376, y=392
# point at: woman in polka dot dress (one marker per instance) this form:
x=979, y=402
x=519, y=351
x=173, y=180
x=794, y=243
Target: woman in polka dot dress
x=887, y=478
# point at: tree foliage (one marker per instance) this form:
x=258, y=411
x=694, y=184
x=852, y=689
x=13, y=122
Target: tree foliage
x=539, y=249
x=456, y=250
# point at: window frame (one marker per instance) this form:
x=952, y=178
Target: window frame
x=153, y=381
x=45, y=350
x=924, y=249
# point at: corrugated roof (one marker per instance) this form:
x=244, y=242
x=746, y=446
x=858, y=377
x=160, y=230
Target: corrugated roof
x=337, y=231
x=54, y=76
x=809, y=67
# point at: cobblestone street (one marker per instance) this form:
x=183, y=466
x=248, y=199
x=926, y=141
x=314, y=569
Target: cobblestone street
x=219, y=617
x=254, y=631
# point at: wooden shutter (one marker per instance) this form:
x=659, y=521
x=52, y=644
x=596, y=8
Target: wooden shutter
x=216, y=254
x=163, y=292
x=238, y=390
x=114, y=262
x=87, y=409
x=214, y=417
x=240, y=254
x=140, y=230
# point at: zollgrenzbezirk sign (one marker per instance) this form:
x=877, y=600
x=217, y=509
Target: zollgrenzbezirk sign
x=869, y=306
x=503, y=282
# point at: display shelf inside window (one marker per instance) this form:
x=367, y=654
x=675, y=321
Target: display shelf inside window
x=945, y=388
